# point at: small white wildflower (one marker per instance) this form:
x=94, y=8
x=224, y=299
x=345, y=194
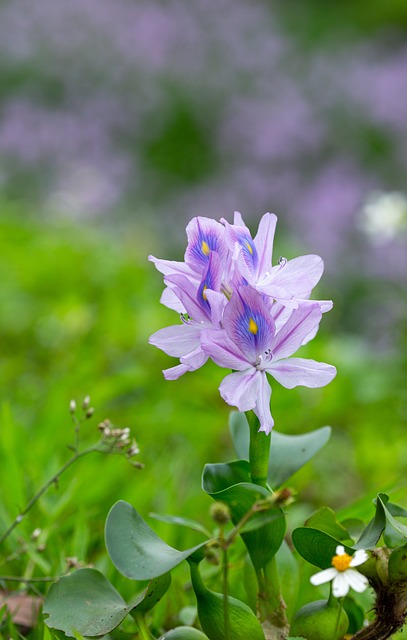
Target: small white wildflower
x=342, y=573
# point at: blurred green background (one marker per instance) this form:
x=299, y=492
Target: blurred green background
x=116, y=126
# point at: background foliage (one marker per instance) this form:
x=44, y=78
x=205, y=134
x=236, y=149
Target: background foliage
x=118, y=123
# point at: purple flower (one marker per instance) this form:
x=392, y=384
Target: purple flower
x=203, y=307
x=289, y=281
x=250, y=344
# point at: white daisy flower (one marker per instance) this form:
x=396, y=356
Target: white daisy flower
x=342, y=573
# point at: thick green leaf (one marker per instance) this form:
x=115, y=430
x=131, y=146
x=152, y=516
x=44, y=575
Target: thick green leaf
x=182, y=522
x=135, y=550
x=230, y=483
x=287, y=453
x=398, y=527
x=155, y=590
x=396, y=510
x=86, y=603
x=325, y=520
x=317, y=547
x=374, y=529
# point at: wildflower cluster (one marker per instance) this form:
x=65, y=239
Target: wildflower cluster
x=242, y=312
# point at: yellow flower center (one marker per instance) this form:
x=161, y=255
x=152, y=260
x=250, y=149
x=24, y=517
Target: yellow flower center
x=253, y=328
x=342, y=562
x=205, y=249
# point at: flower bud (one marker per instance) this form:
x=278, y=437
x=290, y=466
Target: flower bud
x=72, y=406
x=319, y=621
x=220, y=513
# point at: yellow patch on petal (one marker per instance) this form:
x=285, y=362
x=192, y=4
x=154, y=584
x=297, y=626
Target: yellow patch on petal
x=253, y=328
x=203, y=292
x=205, y=248
x=342, y=562
x=249, y=246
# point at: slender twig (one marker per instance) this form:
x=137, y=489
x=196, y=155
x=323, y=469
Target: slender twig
x=28, y=580
x=53, y=480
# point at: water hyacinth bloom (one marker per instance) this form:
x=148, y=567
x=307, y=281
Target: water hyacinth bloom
x=289, y=281
x=243, y=313
x=250, y=345
x=342, y=573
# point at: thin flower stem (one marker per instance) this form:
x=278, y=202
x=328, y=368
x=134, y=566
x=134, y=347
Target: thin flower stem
x=28, y=580
x=338, y=617
x=44, y=488
x=259, y=451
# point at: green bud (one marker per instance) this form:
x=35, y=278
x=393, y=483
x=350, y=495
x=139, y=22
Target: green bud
x=184, y=633
x=319, y=621
x=243, y=624
x=398, y=564
x=220, y=513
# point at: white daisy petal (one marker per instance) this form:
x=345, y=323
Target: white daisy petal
x=323, y=576
x=355, y=579
x=340, y=586
x=359, y=558
x=340, y=550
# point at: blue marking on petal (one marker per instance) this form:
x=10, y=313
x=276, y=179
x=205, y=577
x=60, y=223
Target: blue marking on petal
x=252, y=329
x=202, y=245
x=249, y=250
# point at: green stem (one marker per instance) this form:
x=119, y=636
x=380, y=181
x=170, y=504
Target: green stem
x=44, y=488
x=259, y=451
x=271, y=604
x=142, y=627
x=226, y=594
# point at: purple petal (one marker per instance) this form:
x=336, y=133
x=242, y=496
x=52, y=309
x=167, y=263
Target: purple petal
x=204, y=235
x=170, y=300
x=211, y=280
x=295, y=372
x=187, y=292
x=264, y=242
x=194, y=360
x=241, y=389
x=262, y=408
x=175, y=372
x=240, y=235
x=299, y=275
x=218, y=346
x=248, y=322
x=169, y=267
x=177, y=340
x=299, y=325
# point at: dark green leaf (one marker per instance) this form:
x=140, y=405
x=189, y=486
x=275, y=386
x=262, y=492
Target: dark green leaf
x=316, y=547
x=135, y=550
x=374, y=529
x=230, y=483
x=325, y=520
x=287, y=453
x=391, y=521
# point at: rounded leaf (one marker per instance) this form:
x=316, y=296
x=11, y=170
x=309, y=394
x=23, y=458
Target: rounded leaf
x=135, y=550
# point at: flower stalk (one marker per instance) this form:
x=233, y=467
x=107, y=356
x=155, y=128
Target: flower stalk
x=259, y=451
